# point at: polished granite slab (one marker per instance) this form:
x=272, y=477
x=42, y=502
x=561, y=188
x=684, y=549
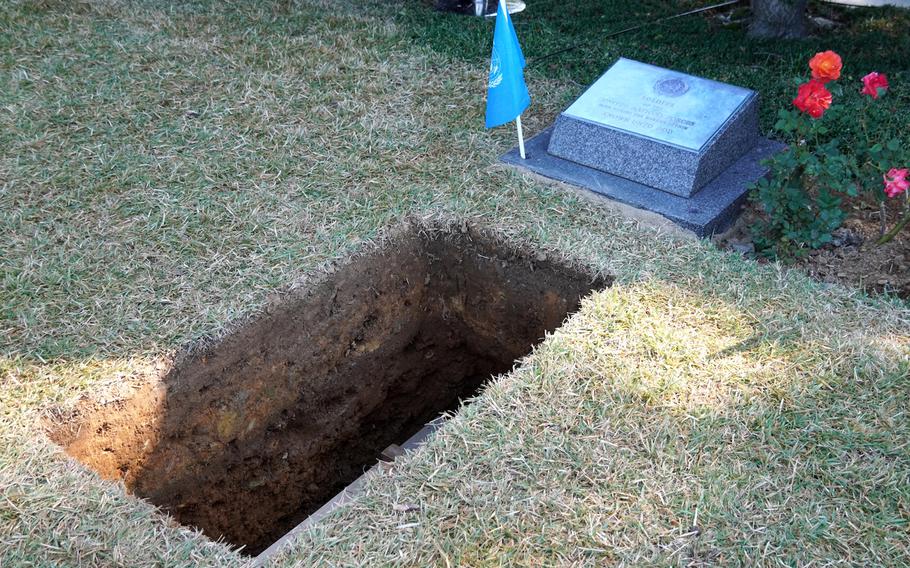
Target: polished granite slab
x=659, y=127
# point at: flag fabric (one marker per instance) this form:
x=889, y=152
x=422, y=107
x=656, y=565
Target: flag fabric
x=507, y=94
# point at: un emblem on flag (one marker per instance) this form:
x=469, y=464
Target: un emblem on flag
x=495, y=70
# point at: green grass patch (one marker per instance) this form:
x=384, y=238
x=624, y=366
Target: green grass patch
x=166, y=168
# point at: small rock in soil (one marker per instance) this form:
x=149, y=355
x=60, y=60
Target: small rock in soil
x=844, y=237
x=742, y=247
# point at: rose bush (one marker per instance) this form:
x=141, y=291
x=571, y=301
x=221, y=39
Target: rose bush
x=803, y=195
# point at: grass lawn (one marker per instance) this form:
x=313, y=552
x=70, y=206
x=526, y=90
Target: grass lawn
x=170, y=168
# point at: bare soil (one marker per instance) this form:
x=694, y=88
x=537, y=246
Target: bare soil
x=249, y=437
x=854, y=258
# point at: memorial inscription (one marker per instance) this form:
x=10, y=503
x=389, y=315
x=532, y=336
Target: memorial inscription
x=661, y=104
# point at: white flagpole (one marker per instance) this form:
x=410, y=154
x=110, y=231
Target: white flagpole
x=521, y=137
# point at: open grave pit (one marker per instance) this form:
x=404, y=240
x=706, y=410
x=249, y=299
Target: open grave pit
x=248, y=437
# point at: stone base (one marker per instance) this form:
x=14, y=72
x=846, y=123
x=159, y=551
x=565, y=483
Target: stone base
x=712, y=210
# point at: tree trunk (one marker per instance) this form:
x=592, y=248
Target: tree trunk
x=779, y=19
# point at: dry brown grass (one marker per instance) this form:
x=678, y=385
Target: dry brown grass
x=166, y=170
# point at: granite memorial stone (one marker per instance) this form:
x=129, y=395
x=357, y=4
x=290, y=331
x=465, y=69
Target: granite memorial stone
x=658, y=127
x=657, y=139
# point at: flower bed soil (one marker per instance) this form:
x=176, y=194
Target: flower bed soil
x=854, y=258
x=247, y=438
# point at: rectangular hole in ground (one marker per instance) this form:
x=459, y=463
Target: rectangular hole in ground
x=247, y=438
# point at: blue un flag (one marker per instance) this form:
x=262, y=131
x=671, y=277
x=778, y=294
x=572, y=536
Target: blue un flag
x=507, y=94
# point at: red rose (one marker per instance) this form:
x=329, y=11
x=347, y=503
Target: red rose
x=826, y=66
x=874, y=84
x=813, y=98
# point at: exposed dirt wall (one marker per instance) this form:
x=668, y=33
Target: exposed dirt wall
x=248, y=438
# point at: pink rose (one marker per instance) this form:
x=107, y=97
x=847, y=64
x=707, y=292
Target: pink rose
x=896, y=182
x=874, y=84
